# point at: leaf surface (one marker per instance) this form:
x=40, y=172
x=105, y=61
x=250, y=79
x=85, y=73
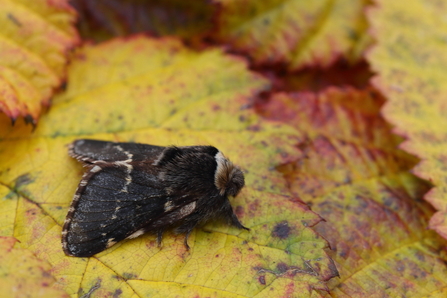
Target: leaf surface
x=34, y=41
x=23, y=275
x=294, y=32
x=353, y=175
x=413, y=78
x=158, y=92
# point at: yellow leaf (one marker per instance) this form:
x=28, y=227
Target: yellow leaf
x=409, y=59
x=35, y=37
x=23, y=275
x=293, y=32
x=157, y=91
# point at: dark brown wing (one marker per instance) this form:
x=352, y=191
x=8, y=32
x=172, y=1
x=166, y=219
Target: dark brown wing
x=90, y=151
x=108, y=208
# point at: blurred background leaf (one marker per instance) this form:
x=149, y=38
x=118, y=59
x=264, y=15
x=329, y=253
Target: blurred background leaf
x=35, y=38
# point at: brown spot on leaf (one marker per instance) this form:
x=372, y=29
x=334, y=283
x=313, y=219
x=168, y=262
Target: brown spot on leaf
x=23, y=180
x=254, y=128
x=117, y=293
x=127, y=275
x=14, y=20
x=281, y=230
x=239, y=211
x=254, y=206
x=261, y=279
x=282, y=267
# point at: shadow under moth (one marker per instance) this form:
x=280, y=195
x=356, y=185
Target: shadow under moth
x=129, y=189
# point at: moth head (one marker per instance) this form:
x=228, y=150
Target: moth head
x=228, y=178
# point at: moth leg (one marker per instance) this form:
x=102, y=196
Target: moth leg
x=159, y=237
x=236, y=223
x=187, y=229
x=185, y=242
x=232, y=218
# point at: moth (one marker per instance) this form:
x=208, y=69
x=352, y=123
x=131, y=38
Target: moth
x=129, y=189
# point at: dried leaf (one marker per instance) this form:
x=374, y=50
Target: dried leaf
x=35, y=39
x=353, y=175
x=295, y=33
x=413, y=79
x=103, y=19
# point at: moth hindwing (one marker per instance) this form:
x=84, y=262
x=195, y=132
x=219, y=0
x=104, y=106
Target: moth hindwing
x=129, y=189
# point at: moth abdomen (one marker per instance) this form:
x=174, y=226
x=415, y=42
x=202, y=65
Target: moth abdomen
x=130, y=189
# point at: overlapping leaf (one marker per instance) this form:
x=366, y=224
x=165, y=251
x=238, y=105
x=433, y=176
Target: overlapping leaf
x=103, y=19
x=294, y=32
x=158, y=92
x=409, y=59
x=35, y=37
x=353, y=175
